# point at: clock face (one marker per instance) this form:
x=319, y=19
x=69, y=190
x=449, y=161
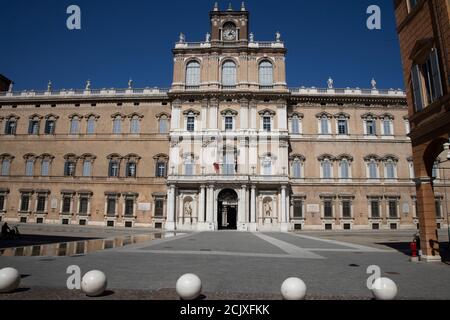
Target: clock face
x=229, y=34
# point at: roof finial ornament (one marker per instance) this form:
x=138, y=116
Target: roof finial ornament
x=49, y=86
x=330, y=83
x=88, y=85
x=252, y=37
x=11, y=86
x=216, y=6
x=182, y=38
x=278, y=36
x=230, y=7
x=243, y=6
x=130, y=84
x=374, y=84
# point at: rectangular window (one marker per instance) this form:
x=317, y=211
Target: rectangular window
x=117, y=126
x=324, y=126
x=45, y=168
x=10, y=128
x=345, y=169
x=163, y=126
x=375, y=208
x=41, y=202
x=390, y=170
x=67, y=205
x=342, y=127
x=131, y=170
x=69, y=169
x=387, y=127
x=159, y=208
x=33, y=128
x=83, y=206
x=129, y=207
x=190, y=124
x=90, y=126
x=373, y=170
x=113, y=169
x=161, y=169
x=328, y=209
x=50, y=127
x=371, y=127
x=25, y=203
x=135, y=126
x=267, y=124
x=29, y=169
x=295, y=126
x=298, y=209
x=326, y=168
x=74, y=126
x=228, y=123
x=346, y=209
x=87, y=168
x=5, y=167
x=438, y=209
x=2, y=203
x=111, y=207
x=297, y=169
x=393, y=209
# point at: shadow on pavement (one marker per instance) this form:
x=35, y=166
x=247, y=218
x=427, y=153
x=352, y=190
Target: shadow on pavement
x=31, y=240
x=404, y=248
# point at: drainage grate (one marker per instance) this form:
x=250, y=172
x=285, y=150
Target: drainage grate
x=354, y=265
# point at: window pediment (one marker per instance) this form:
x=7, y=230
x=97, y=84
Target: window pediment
x=71, y=157
x=267, y=112
x=344, y=157
x=342, y=115
x=35, y=117
x=229, y=112
x=75, y=116
x=114, y=156
x=118, y=115
x=92, y=115
x=162, y=115
x=421, y=50
x=191, y=112
x=371, y=157
x=390, y=157
x=51, y=117
x=297, y=157
x=369, y=116
x=135, y=115
x=324, y=157
x=323, y=115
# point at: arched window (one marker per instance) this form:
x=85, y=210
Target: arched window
x=324, y=125
x=388, y=125
x=161, y=161
x=88, y=161
x=70, y=165
x=11, y=125
x=297, y=166
x=91, y=124
x=30, y=160
x=390, y=164
x=45, y=164
x=326, y=169
x=75, y=124
x=163, y=120
x=345, y=168
x=229, y=74
x=193, y=74
x=50, y=124
x=135, y=123
x=372, y=167
x=117, y=123
x=6, y=160
x=266, y=74
x=34, y=125
x=132, y=164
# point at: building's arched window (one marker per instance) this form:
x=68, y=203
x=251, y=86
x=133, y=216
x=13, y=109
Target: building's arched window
x=6, y=160
x=70, y=165
x=296, y=123
x=132, y=165
x=163, y=120
x=388, y=125
x=267, y=117
x=11, y=125
x=50, y=124
x=324, y=123
x=114, y=165
x=190, y=117
x=372, y=167
x=229, y=122
x=91, y=124
x=297, y=166
x=88, y=162
x=390, y=165
x=266, y=74
x=370, y=124
x=342, y=124
x=30, y=161
x=327, y=169
x=193, y=75
x=117, y=123
x=344, y=167
x=161, y=161
x=229, y=74
x=135, y=123
x=75, y=121
x=46, y=161
x=34, y=125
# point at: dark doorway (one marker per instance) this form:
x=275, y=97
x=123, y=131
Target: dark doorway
x=227, y=215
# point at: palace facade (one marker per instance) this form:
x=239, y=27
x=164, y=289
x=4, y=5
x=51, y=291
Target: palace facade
x=228, y=146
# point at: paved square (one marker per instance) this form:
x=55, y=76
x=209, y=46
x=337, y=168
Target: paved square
x=240, y=266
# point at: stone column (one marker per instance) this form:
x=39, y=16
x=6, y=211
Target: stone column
x=253, y=115
x=284, y=222
x=204, y=115
x=426, y=210
x=253, y=224
x=201, y=205
x=210, y=205
x=242, y=211
x=213, y=114
x=170, y=223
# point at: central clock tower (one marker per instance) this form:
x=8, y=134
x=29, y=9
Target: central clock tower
x=230, y=25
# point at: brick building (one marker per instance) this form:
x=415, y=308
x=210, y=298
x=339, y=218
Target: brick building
x=424, y=32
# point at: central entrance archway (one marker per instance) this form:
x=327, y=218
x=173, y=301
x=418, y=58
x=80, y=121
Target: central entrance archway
x=227, y=210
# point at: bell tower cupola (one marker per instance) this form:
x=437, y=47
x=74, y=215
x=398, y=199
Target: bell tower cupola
x=229, y=26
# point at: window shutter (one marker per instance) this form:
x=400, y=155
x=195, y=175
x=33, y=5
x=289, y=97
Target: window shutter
x=417, y=88
x=436, y=74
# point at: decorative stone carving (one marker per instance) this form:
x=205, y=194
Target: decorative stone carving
x=374, y=84
x=88, y=85
x=330, y=83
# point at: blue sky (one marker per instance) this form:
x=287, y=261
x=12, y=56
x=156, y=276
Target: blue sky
x=123, y=39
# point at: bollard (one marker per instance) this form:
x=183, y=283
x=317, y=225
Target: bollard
x=9, y=280
x=293, y=289
x=413, y=247
x=189, y=287
x=384, y=289
x=94, y=283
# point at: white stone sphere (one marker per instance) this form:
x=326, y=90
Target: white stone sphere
x=293, y=289
x=94, y=283
x=384, y=289
x=189, y=287
x=9, y=280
